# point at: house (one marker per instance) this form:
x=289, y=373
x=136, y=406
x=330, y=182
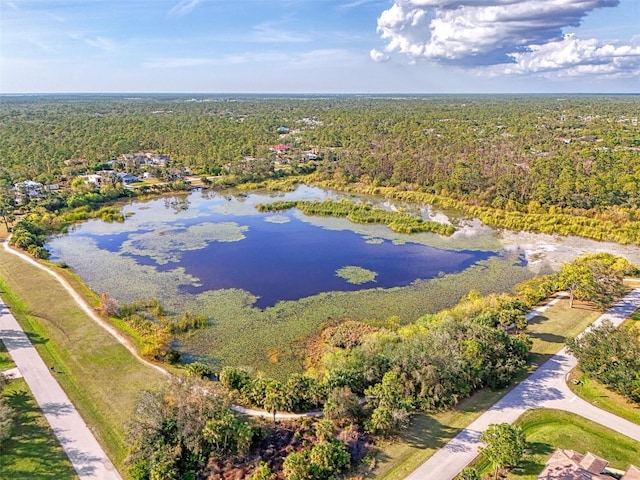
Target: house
x=127, y=178
x=93, y=179
x=145, y=158
x=570, y=465
x=280, y=148
x=30, y=188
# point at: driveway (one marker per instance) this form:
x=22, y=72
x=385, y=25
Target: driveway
x=544, y=388
x=86, y=455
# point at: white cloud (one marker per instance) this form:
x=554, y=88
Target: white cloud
x=572, y=57
x=183, y=7
x=378, y=56
x=522, y=35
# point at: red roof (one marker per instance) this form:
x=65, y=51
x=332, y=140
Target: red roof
x=281, y=147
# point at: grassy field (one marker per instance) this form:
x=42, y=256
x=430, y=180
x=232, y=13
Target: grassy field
x=550, y=330
x=547, y=429
x=100, y=376
x=32, y=452
x=427, y=433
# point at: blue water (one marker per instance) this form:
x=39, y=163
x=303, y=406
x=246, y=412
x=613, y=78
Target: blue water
x=286, y=261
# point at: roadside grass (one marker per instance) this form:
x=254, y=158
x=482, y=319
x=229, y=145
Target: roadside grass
x=5, y=359
x=550, y=330
x=599, y=395
x=548, y=429
x=100, y=376
x=32, y=452
x=427, y=433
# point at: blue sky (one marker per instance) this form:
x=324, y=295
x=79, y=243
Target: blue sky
x=318, y=46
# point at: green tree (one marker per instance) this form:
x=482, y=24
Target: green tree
x=7, y=208
x=505, y=445
x=612, y=356
x=468, y=474
x=262, y=472
x=392, y=407
x=330, y=457
x=342, y=405
x=297, y=466
x=578, y=280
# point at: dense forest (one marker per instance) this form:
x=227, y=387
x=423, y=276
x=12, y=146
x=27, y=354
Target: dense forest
x=530, y=153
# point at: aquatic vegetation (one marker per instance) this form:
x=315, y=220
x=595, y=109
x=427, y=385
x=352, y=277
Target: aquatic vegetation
x=400, y=222
x=168, y=245
x=277, y=219
x=374, y=240
x=356, y=275
x=122, y=276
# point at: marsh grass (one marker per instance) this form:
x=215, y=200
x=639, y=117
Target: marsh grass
x=32, y=452
x=239, y=334
x=362, y=212
x=356, y=275
x=100, y=376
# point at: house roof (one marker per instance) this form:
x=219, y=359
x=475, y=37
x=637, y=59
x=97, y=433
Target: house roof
x=570, y=465
x=592, y=463
x=632, y=473
x=281, y=147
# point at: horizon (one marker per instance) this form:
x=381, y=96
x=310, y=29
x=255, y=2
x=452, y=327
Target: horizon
x=322, y=94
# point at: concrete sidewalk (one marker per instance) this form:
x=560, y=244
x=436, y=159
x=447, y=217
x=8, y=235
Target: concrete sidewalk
x=544, y=388
x=86, y=455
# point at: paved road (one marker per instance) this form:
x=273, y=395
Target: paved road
x=545, y=388
x=84, y=451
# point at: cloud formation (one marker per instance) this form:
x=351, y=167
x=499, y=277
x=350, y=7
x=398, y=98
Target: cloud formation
x=183, y=7
x=517, y=36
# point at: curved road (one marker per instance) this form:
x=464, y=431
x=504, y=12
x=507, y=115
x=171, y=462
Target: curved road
x=544, y=388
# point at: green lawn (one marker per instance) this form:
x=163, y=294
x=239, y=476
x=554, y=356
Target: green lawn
x=550, y=330
x=427, y=433
x=32, y=452
x=5, y=359
x=100, y=376
x=548, y=429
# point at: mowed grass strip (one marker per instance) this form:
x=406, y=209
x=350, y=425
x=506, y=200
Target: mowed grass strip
x=548, y=429
x=32, y=452
x=100, y=376
x=5, y=359
x=427, y=433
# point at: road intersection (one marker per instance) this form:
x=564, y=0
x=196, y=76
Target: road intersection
x=544, y=388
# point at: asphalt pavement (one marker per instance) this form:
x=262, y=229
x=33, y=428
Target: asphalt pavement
x=85, y=453
x=544, y=388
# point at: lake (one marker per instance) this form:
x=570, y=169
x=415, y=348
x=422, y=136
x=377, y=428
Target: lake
x=223, y=242
x=268, y=281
